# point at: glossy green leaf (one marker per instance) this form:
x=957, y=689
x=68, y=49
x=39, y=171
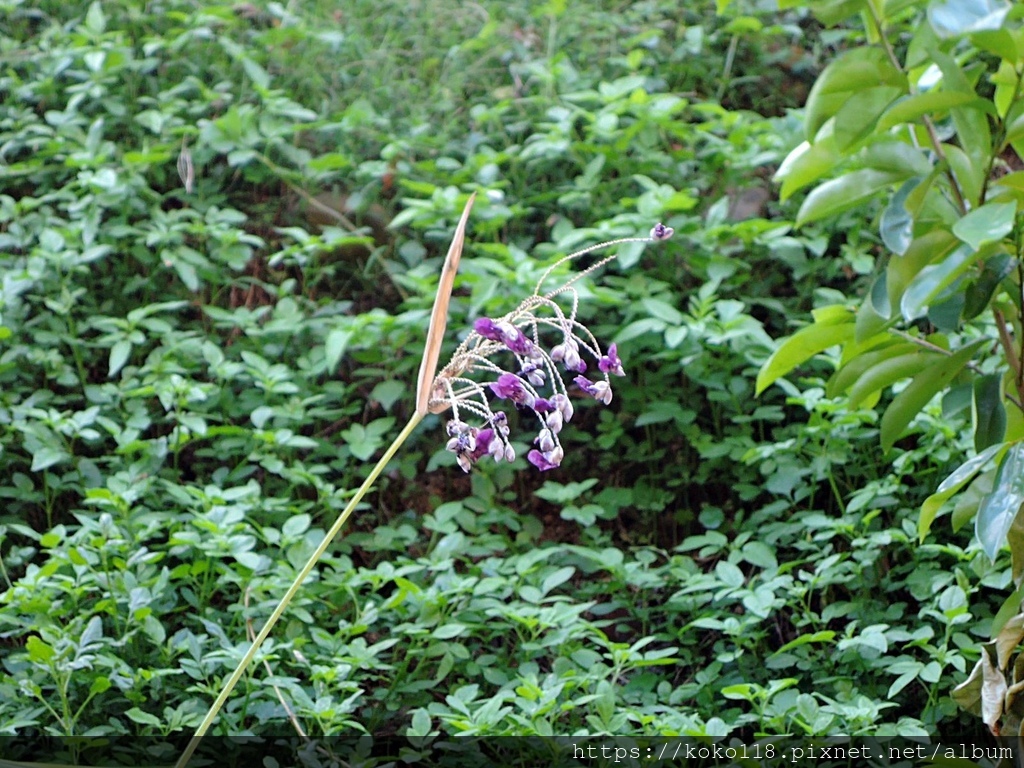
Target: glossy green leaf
x=888, y=372
x=897, y=225
x=932, y=280
x=988, y=224
x=931, y=103
x=956, y=480
x=855, y=119
x=869, y=322
x=980, y=292
x=846, y=376
x=845, y=192
x=807, y=163
x=968, y=176
x=799, y=348
x=852, y=74
x=950, y=18
x=988, y=412
x=922, y=251
x=924, y=386
x=999, y=508
x=999, y=42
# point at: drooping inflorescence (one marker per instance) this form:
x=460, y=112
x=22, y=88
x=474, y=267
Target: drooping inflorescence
x=508, y=359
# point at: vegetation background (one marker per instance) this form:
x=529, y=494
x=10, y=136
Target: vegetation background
x=194, y=377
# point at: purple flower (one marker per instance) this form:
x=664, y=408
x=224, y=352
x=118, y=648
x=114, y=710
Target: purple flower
x=484, y=439
x=509, y=385
x=568, y=352
x=516, y=340
x=599, y=390
x=661, y=232
x=547, y=460
x=563, y=405
x=463, y=443
x=611, y=363
x=554, y=422
x=534, y=374
x=543, y=405
x=545, y=440
x=487, y=328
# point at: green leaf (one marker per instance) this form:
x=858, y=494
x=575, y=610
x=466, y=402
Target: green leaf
x=887, y=372
x=335, y=346
x=807, y=163
x=988, y=412
x=999, y=508
x=933, y=379
x=562, y=493
x=845, y=192
x=848, y=77
x=119, y=356
x=988, y=224
x=979, y=293
x=799, y=348
x=931, y=103
x=956, y=480
x=897, y=225
x=950, y=18
x=38, y=651
x=143, y=718
x=46, y=456
x=855, y=119
x=933, y=280
x=296, y=525
x=421, y=723
x=850, y=372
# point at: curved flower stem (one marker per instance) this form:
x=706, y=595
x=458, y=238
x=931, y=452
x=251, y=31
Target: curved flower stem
x=293, y=589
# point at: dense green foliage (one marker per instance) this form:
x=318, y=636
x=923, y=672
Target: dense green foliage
x=192, y=381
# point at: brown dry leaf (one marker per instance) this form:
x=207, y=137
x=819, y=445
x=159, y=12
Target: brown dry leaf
x=1008, y=639
x=439, y=314
x=967, y=695
x=993, y=694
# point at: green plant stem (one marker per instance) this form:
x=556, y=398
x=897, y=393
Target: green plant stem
x=232, y=681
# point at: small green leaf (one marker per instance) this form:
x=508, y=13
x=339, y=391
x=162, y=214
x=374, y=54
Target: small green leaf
x=119, y=356
x=296, y=525
x=335, y=346
x=47, y=456
x=421, y=723
x=999, y=508
x=136, y=715
x=925, y=385
x=38, y=650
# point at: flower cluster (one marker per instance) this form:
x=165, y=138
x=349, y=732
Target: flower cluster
x=530, y=376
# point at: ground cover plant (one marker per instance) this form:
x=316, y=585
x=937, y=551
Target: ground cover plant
x=221, y=230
